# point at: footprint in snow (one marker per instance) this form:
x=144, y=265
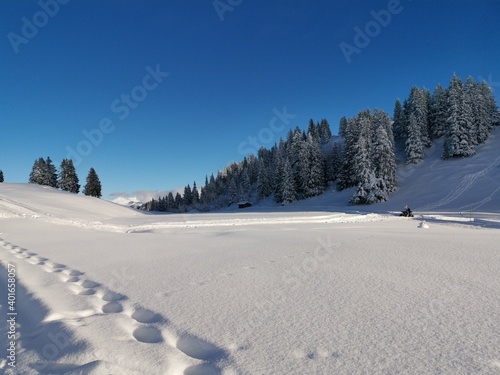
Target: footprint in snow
x=87, y=292
x=35, y=262
x=148, y=335
x=112, y=308
x=145, y=316
x=112, y=297
x=55, y=265
x=202, y=369
x=87, y=284
x=199, y=349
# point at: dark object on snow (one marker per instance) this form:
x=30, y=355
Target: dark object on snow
x=407, y=212
x=244, y=204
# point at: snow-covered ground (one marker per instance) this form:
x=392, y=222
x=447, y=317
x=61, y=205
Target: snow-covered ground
x=104, y=289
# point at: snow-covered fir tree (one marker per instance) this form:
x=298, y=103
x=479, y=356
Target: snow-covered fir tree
x=279, y=164
x=333, y=163
x=481, y=96
x=196, y=194
x=68, y=179
x=414, y=146
x=351, y=132
x=399, y=125
x=288, y=191
x=460, y=139
x=43, y=173
x=188, y=195
x=50, y=173
x=315, y=181
x=325, y=131
x=363, y=172
x=264, y=182
x=93, y=186
x=384, y=158
x=439, y=112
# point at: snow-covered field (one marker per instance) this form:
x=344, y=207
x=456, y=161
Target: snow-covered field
x=103, y=289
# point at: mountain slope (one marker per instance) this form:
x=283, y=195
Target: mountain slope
x=463, y=184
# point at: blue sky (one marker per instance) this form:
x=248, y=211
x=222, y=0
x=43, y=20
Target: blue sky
x=169, y=91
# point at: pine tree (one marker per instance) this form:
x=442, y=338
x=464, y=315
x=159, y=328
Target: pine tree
x=482, y=115
x=343, y=127
x=418, y=105
x=50, y=174
x=314, y=183
x=425, y=110
x=288, y=191
x=325, y=131
x=68, y=179
x=460, y=140
x=179, y=203
x=1, y=176
x=384, y=161
x=171, y=202
x=414, y=146
x=93, y=186
x=363, y=172
x=245, y=185
x=278, y=173
x=37, y=172
x=399, y=125
x=335, y=162
x=312, y=130
x=188, y=195
x=439, y=112
x=196, y=194
x=352, y=132
x=233, y=190
x=264, y=187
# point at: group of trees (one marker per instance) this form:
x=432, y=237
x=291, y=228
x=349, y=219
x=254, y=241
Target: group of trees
x=299, y=167
x=464, y=113
x=45, y=173
x=363, y=157
x=369, y=159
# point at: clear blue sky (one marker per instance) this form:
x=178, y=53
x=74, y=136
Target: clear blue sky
x=231, y=69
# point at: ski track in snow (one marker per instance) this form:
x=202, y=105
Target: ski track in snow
x=464, y=185
x=191, y=355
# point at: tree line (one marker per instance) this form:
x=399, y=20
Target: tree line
x=45, y=173
x=362, y=157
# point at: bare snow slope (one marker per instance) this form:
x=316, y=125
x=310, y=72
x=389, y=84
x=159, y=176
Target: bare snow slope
x=102, y=289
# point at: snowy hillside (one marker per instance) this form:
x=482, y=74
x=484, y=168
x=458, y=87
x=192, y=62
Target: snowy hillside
x=456, y=187
x=104, y=289
x=459, y=185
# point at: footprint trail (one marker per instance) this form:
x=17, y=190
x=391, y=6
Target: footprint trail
x=195, y=356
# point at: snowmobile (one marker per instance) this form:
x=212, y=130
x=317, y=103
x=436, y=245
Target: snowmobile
x=406, y=213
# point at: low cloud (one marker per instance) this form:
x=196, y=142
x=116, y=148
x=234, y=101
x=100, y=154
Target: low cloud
x=146, y=195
